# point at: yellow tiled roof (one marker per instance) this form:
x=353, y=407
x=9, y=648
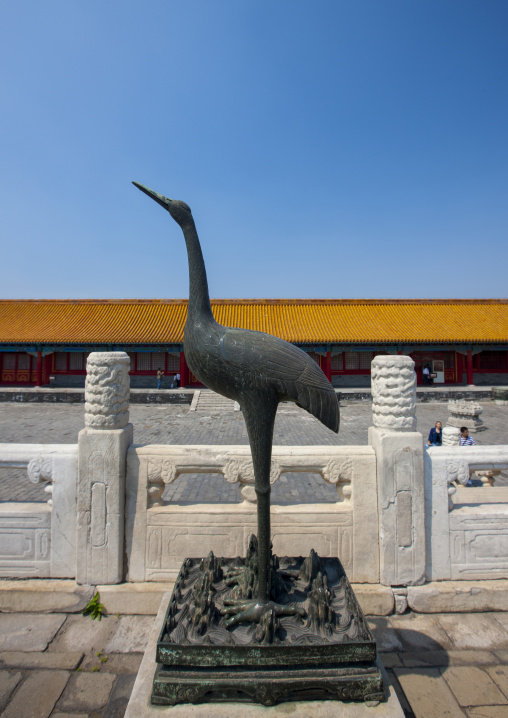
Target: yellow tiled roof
x=301, y=321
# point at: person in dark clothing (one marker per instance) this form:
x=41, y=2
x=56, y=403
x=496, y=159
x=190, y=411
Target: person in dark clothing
x=435, y=435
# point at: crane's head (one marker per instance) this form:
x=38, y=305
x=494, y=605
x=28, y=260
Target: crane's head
x=180, y=211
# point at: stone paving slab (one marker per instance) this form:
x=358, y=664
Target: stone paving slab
x=87, y=692
x=487, y=712
x=131, y=634
x=52, y=595
x=475, y=630
x=20, y=659
x=425, y=659
x=419, y=632
x=408, y=633
x=80, y=632
x=473, y=686
x=500, y=675
x=428, y=694
x=37, y=695
x=118, y=663
x=8, y=682
x=119, y=697
x=28, y=631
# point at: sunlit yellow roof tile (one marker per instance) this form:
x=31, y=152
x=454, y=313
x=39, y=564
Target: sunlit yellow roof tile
x=302, y=321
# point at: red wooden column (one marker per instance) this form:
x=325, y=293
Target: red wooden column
x=469, y=366
x=327, y=366
x=39, y=369
x=184, y=370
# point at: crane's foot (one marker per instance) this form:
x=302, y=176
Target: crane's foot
x=264, y=615
x=253, y=610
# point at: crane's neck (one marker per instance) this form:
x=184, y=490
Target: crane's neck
x=199, y=299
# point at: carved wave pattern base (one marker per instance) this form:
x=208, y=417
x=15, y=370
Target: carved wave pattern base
x=317, y=658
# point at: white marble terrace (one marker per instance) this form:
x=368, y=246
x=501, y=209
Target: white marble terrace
x=403, y=516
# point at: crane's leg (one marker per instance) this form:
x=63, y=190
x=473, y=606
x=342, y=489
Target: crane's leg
x=260, y=419
x=259, y=413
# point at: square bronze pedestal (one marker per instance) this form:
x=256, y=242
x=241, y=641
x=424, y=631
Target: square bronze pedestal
x=327, y=655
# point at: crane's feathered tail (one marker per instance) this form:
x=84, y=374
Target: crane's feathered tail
x=314, y=393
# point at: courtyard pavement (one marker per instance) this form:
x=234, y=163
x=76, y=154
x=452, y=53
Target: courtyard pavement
x=68, y=666
x=175, y=424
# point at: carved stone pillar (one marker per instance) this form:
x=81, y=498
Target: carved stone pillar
x=399, y=453
x=102, y=448
x=451, y=436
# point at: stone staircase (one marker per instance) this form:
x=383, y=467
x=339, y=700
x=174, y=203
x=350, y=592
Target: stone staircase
x=206, y=400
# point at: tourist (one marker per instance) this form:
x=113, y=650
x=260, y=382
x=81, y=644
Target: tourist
x=465, y=439
x=435, y=435
x=160, y=374
x=426, y=375
x=176, y=382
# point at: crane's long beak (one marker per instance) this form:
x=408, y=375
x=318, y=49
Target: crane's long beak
x=159, y=198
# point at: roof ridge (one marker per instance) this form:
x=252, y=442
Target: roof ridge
x=344, y=301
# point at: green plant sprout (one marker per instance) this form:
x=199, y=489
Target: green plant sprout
x=94, y=608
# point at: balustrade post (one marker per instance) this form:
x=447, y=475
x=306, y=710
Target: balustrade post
x=400, y=482
x=102, y=449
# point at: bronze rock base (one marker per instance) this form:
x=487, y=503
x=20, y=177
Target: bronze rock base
x=323, y=650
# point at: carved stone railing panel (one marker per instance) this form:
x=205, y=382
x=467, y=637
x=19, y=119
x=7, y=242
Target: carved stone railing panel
x=51, y=551
x=235, y=465
x=154, y=530
x=466, y=527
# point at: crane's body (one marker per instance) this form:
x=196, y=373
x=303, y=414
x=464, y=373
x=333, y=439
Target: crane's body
x=258, y=371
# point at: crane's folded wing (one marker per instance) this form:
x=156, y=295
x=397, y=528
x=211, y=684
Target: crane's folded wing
x=270, y=361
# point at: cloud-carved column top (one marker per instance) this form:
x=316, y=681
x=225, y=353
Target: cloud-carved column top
x=451, y=436
x=394, y=393
x=107, y=390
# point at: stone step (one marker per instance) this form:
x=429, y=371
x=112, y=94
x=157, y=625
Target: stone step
x=208, y=400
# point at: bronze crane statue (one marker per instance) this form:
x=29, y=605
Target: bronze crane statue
x=258, y=371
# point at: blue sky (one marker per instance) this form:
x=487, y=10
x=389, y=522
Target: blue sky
x=327, y=148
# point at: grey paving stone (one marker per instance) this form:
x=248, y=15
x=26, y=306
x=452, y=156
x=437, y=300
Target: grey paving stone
x=80, y=631
x=487, y=712
x=20, y=659
x=419, y=632
x=500, y=675
x=116, y=663
x=8, y=682
x=400, y=693
x=474, y=630
x=86, y=692
x=413, y=659
x=69, y=715
x=472, y=686
x=37, y=695
x=428, y=693
x=386, y=638
x=119, y=697
x=390, y=660
x=131, y=634
x=28, y=631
